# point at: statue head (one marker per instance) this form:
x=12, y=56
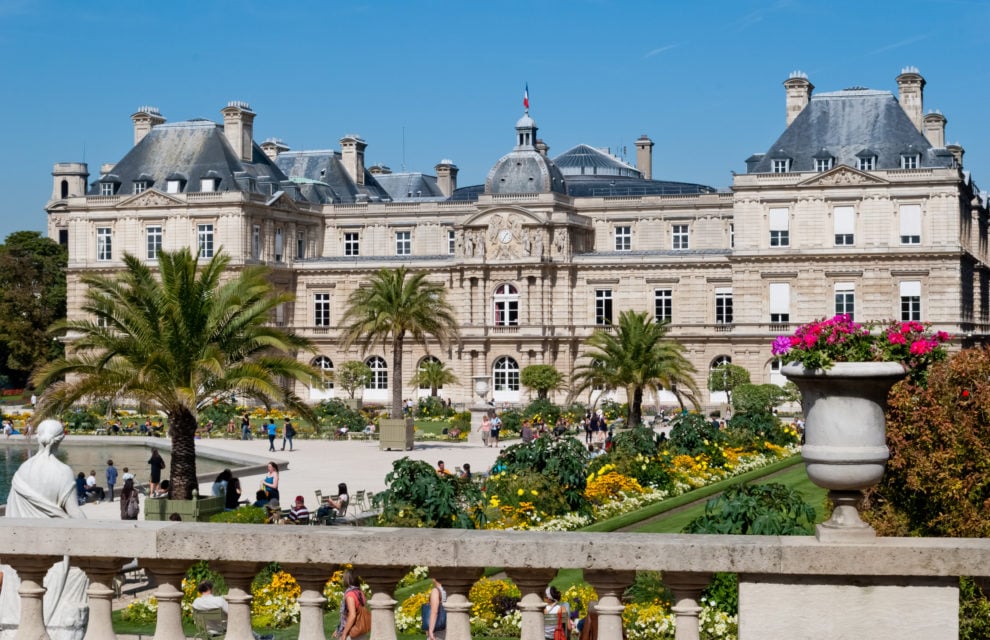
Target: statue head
x=49, y=433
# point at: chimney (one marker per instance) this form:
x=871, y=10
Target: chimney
x=644, y=156
x=238, y=126
x=935, y=129
x=273, y=146
x=379, y=169
x=145, y=118
x=957, y=152
x=70, y=179
x=799, y=90
x=447, y=177
x=911, y=93
x=542, y=148
x=352, y=156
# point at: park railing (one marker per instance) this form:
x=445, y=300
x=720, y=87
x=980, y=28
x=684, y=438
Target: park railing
x=790, y=587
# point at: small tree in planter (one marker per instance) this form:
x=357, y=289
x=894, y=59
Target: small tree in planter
x=541, y=378
x=351, y=376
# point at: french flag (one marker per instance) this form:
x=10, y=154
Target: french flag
x=526, y=97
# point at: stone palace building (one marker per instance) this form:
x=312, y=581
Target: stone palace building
x=858, y=207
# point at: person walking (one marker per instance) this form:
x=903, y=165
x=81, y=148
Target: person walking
x=130, y=505
x=288, y=433
x=111, y=478
x=246, y=427
x=157, y=464
x=272, y=432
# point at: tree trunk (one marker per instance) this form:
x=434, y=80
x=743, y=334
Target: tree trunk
x=433, y=391
x=397, y=376
x=182, y=432
x=636, y=407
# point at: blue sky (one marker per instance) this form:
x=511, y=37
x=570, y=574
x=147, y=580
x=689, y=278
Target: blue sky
x=425, y=81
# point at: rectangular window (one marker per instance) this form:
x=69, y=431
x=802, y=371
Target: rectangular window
x=779, y=231
x=506, y=312
x=279, y=245
x=352, y=244
x=256, y=242
x=208, y=184
x=321, y=309
x=106, y=188
x=844, y=219
x=140, y=186
x=679, y=236
x=603, y=306
x=623, y=238
x=300, y=245
x=866, y=164
x=732, y=235
x=173, y=186
x=154, y=241
x=911, y=300
x=403, y=243
x=723, y=305
x=104, y=243
x=781, y=166
x=780, y=302
x=280, y=315
x=910, y=223
x=823, y=164
x=204, y=233
x=845, y=299
x=909, y=162
x=451, y=242
x=663, y=305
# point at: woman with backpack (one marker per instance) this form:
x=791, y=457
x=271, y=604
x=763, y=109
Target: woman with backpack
x=130, y=507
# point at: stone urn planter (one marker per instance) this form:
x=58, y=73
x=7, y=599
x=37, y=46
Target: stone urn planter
x=845, y=446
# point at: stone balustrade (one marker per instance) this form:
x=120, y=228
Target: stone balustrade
x=790, y=587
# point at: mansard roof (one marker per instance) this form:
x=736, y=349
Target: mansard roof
x=410, y=186
x=848, y=123
x=193, y=149
x=324, y=167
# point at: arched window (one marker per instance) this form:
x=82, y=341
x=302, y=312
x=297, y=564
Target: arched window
x=506, y=306
x=424, y=361
x=719, y=397
x=64, y=190
x=506, y=374
x=325, y=365
x=379, y=373
x=719, y=361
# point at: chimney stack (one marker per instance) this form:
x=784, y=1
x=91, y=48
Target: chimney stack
x=447, y=177
x=273, y=146
x=799, y=90
x=238, y=126
x=935, y=129
x=957, y=152
x=352, y=156
x=144, y=120
x=644, y=156
x=542, y=148
x=911, y=94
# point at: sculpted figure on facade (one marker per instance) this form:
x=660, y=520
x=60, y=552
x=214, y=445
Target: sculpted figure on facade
x=44, y=487
x=539, y=243
x=560, y=241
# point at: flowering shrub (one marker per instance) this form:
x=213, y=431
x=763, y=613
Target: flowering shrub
x=607, y=485
x=415, y=575
x=819, y=344
x=492, y=600
x=409, y=614
x=652, y=621
x=141, y=611
x=276, y=603
x=578, y=596
x=519, y=500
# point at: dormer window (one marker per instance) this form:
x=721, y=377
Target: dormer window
x=109, y=185
x=174, y=183
x=140, y=186
x=208, y=184
x=910, y=160
x=106, y=188
x=823, y=160
x=780, y=165
x=866, y=160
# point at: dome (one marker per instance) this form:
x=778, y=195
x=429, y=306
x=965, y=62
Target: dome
x=525, y=171
x=526, y=122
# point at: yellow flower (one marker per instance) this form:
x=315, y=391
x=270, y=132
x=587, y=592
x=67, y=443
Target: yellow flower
x=520, y=492
x=534, y=492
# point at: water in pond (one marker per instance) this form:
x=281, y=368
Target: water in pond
x=89, y=457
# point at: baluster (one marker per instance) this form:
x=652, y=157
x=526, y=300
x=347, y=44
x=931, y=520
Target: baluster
x=609, y=585
x=687, y=588
x=168, y=574
x=532, y=585
x=238, y=576
x=31, y=570
x=382, y=581
x=101, y=572
x=457, y=582
x=311, y=578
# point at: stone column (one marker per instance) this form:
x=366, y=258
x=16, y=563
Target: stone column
x=31, y=570
x=101, y=572
x=311, y=579
x=457, y=582
x=382, y=581
x=687, y=588
x=532, y=585
x=169, y=574
x=609, y=585
x=238, y=576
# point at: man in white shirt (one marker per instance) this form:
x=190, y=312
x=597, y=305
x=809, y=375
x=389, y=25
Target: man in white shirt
x=209, y=602
x=92, y=487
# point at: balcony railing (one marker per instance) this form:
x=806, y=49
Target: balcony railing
x=790, y=587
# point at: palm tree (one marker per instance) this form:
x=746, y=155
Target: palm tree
x=397, y=304
x=176, y=343
x=433, y=374
x=635, y=357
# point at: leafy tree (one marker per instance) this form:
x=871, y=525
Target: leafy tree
x=32, y=297
x=397, y=304
x=726, y=377
x=757, y=398
x=177, y=341
x=419, y=496
x=352, y=375
x=636, y=356
x=541, y=378
x=433, y=374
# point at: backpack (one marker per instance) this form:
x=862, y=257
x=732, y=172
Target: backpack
x=133, y=507
x=290, y=431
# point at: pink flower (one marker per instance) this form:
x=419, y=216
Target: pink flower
x=896, y=338
x=921, y=347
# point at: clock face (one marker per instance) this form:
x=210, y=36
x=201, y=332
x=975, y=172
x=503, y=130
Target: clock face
x=505, y=235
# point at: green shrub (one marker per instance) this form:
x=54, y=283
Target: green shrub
x=80, y=419
x=335, y=414
x=541, y=408
x=220, y=412
x=770, y=509
x=511, y=421
x=638, y=440
x=418, y=496
x=542, y=491
x=755, y=430
x=433, y=407
x=692, y=434
x=241, y=515
x=562, y=459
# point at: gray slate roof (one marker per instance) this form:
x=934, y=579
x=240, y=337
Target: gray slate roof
x=327, y=178
x=846, y=123
x=410, y=186
x=587, y=160
x=193, y=150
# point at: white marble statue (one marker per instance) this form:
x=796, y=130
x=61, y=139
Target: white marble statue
x=44, y=487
